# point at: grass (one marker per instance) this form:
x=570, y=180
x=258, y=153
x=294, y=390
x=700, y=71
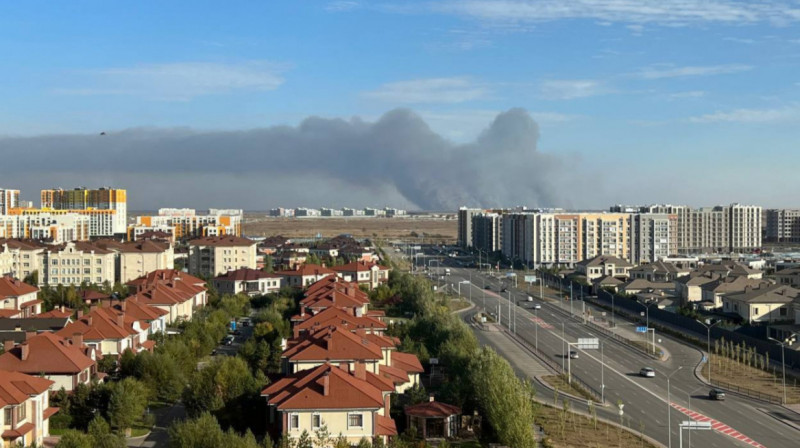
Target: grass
x=139, y=431
x=457, y=304
x=58, y=431
x=571, y=430
x=466, y=444
x=560, y=382
x=729, y=371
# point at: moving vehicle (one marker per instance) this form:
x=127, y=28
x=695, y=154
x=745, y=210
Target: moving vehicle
x=537, y=306
x=716, y=394
x=529, y=299
x=647, y=372
x=503, y=289
x=573, y=354
x=488, y=287
x=446, y=271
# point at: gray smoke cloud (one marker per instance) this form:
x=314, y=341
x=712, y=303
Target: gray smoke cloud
x=396, y=160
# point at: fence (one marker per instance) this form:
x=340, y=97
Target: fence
x=748, y=392
x=554, y=365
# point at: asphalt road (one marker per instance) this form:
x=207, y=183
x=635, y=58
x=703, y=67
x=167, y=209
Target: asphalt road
x=644, y=399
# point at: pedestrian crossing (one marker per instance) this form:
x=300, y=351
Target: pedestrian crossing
x=717, y=426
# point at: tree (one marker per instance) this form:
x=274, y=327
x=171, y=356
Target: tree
x=127, y=404
x=304, y=441
x=223, y=381
x=269, y=264
x=75, y=439
x=102, y=436
x=364, y=443
x=32, y=279
x=201, y=432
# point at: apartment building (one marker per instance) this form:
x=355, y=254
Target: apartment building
x=186, y=223
x=46, y=225
x=248, y=281
x=107, y=207
x=19, y=258
x=74, y=263
x=487, y=232
x=216, y=255
x=8, y=199
x=653, y=237
x=364, y=273
x=783, y=226
x=24, y=409
x=465, y=225
x=135, y=259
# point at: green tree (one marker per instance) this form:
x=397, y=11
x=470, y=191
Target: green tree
x=127, y=404
x=32, y=279
x=201, y=432
x=304, y=441
x=75, y=439
x=223, y=381
x=101, y=434
x=364, y=443
x=269, y=264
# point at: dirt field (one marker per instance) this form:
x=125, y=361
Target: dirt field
x=737, y=374
x=433, y=230
x=580, y=431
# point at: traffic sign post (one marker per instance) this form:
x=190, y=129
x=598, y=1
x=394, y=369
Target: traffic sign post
x=641, y=329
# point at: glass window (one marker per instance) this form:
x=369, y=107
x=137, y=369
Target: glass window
x=294, y=421
x=316, y=421
x=22, y=412
x=355, y=420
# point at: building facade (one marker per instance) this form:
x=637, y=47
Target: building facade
x=8, y=199
x=213, y=256
x=486, y=232
x=783, y=226
x=465, y=225
x=185, y=224
x=101, y=199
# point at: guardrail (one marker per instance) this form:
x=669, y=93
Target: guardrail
x=553, y=365
x=747, y=392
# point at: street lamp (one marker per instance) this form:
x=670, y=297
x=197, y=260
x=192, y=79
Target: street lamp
x=669, y=409
x=647, y=321
x=783, y=362
x=708, y=342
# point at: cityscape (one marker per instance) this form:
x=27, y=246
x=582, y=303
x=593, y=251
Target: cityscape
x=415, y=224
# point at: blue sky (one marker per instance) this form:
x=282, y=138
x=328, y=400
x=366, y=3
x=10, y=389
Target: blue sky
x=694, y=101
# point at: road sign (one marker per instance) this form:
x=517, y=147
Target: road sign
x=641, y=329
x=588, y=343
x=696, y=425
x=433, y=361
x=530, y=279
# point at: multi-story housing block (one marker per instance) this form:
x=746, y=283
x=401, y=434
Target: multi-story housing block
x=54, y=226
x=213, y=256
x=465, y=225
x=8, y=199
x=487, y=231
x=74, y=263
x=110, y=200
x=783, y=226
x=185, y=223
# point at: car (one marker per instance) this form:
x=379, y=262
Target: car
x=488, y=287
x=529, y=299
x=647, y=372
x=537, y=306
x=573, y=354
x=716, y=394
x=503, y=289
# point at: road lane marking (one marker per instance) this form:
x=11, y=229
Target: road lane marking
x=717, y=426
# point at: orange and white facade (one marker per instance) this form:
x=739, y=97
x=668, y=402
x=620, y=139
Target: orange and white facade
x=185, y=223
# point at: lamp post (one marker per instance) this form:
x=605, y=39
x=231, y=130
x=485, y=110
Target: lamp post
x=536, y=328
x=783, y=362
x=669, y=409
x=708, y=343
x=647, y=321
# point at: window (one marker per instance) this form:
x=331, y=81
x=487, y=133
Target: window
x=784, y=311
x=99, y=261
x=8, y=417
x=355, y=420
x=294, y=421
x=755, y=310
x=22, y=412
x=316, y=421
x=54, y=262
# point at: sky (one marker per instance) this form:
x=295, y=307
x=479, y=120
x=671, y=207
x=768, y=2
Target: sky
x=414, y=104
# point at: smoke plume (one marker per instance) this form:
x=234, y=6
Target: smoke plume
x=320, y=162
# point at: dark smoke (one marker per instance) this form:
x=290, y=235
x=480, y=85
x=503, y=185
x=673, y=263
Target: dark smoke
x=321, y=161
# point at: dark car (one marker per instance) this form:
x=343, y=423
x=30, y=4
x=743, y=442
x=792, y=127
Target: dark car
x=716, y=394
x=503, y=289
x=487, y=287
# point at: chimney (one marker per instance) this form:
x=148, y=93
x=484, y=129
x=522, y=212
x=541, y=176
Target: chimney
x=29, y=334
x=61, y=308
x=361, y=370
x=80, y=313
x=431, y=398
x=326, y=384
x=121, y=319
x=122, y=304
x=77, y=339
x=387, y=403
x=296, y=332
x=88, y=320
x=25, y=350
x=8, y=345
x=18, y=327
x=349, y=290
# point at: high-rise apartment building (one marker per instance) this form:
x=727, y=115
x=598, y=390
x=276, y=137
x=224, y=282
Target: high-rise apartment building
x=654, y=236
x=465, y=225
x=185, y=223
x=8, y=199
x=783, y=226
x=486, y=232
x=84, y=199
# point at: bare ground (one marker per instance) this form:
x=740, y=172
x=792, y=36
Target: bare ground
x=431, y=229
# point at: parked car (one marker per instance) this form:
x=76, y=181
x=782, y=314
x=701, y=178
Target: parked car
x=716, y=394
x=529, y=299
x=573, y=354
x=537, y=306
x=647, y=372
x=487, y=287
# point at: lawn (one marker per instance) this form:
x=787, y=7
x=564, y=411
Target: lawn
x=741, y=375
x=572, y=430
x=560, y=382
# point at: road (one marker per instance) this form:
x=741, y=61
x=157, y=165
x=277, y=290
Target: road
x=645, y=399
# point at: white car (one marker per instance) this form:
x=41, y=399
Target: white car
x=537, y=306
x=647, y=372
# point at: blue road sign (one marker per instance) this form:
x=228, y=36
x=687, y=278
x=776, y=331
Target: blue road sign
x=641, y=329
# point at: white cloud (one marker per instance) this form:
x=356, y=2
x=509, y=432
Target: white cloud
x=179, y=81
x=339, y=6
x=782, y=115
x=689, y=94
x=636, y=29
x=430, y=90
x=567, y=89
x=739, y=40
x=669, y=71
x=666, y=12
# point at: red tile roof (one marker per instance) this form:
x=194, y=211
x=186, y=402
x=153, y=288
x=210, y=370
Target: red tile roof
x=16, y=387
x=19, y=432
x=406, y=361
x=56, y=313
x=385, y=426
x=333, y=344
x=166, y=276
x=432, y=409
x=48, y=354
x=397, y=376
x=336, y=317
x=101, y=324
x=224, y=241
x=307, y=270
x=304, y=390
x=11, y=287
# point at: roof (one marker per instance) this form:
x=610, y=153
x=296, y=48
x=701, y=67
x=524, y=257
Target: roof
x=432, y=409
x=48, y=354
x=732, y=284
x=21, y=244
x=604, y=259
x=80, y=246
x=407, y=361
x=661, y=267
x=16, y=387
x=608, y=280
x=55, y=313
x=765, y=294
x=727, y=268
x=12, y=287
x=384, y=426
x=304, y=390
x=336, y=317
x=34, y=324
x=162, y=276
x=245, y=275
x=307, y=270
x=641, y=283
x=222, y=241
x=143, y=246
x=358, y=266
x=101, y=324
x=92, y=295
x=333, y=344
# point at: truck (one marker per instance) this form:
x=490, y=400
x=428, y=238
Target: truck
x=446, y=271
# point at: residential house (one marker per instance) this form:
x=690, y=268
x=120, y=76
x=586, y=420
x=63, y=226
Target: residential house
x=212, y=256
x=766, y=303
x=369, y=274
x=18, y=299
x=640, y=285
x=336, y=345
x=307, y=322
x=108, y=330
x=177, y=293
x=712, y=292
x=603, y=265
x=67, y=362
x=688, y=287
x=304, y=275
x=248, y=281
x=728, y=268
x=20, y=258
x=790, y=276
x=659, y=271
x=354, y=404
x=25, y=409
x=18, y=330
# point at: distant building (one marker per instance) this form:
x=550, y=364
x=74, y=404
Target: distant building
x=303, y=212
x=281, y=212
x=8, y=199
x=487, y=232
x=783, y=226
x=185, y=223
x=465, y=225
x=248, y=281
x=212, y=256
x=111, y=200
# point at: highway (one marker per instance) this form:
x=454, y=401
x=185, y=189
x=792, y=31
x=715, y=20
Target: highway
x=737, y=421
